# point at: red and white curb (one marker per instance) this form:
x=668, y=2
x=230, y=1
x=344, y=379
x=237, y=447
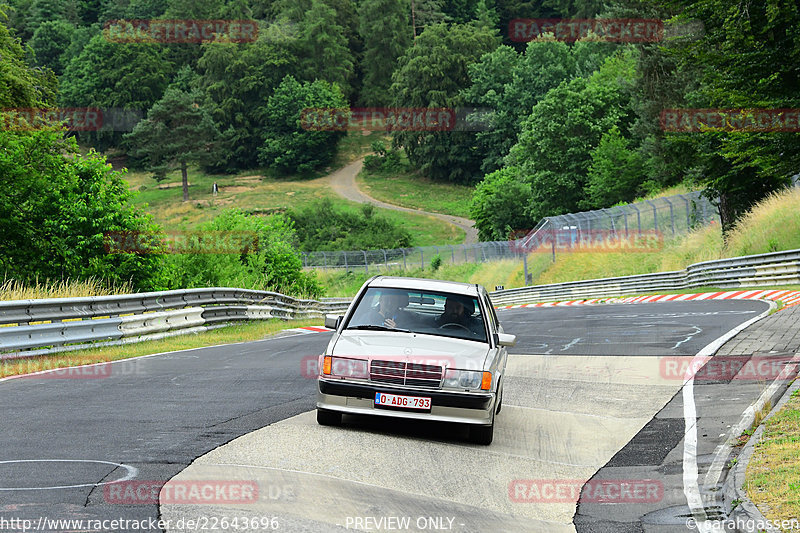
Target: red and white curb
x=308, y=329
x=788, y=298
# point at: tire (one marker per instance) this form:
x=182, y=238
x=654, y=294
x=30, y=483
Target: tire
x=328, y=418
x=481, y=434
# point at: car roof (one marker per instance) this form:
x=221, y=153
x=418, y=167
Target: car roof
x=397, y=282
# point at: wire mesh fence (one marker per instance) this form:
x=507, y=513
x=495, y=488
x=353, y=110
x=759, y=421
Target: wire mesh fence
x=662, y=217
x=666, y=217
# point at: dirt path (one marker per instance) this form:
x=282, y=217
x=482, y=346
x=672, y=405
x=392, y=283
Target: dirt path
x=343, y=182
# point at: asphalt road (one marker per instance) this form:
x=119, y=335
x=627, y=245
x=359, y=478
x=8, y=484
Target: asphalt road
x=147, y=419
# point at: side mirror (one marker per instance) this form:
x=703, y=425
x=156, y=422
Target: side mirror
x=506, y=339
x=333, y=321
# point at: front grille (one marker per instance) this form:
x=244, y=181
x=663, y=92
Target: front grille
x=402, y=373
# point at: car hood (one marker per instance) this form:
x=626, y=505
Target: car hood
x=426, y=349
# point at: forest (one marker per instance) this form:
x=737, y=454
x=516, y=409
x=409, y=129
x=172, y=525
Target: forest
x=546, y=124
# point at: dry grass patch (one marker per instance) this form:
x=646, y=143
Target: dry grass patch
x=12, y=289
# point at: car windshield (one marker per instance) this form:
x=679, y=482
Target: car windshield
x=412, y=310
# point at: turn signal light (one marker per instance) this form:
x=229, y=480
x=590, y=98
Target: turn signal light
x=326, y=365
x=486, y=382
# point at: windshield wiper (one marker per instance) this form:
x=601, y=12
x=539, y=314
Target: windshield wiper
x=378, y=328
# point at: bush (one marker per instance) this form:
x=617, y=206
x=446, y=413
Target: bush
x=322, y=226
x=384, y=160
x=56, y=206
x=436, y=262
x=267, y=262
x=499, y=204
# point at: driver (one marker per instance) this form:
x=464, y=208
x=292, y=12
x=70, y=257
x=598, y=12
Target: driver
x=458, y=311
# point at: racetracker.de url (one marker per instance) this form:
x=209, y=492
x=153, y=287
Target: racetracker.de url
x=200, y=523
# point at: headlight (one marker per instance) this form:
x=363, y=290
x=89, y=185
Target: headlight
x=467, y=379
x=345, y=367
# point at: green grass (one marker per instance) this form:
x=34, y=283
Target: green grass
x=236, y=333
x=772, y=480
x=506, y=272
x=262, y=194
x=415, y=192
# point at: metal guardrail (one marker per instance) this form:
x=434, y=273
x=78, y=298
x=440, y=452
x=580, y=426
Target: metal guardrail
x=60, y=324
x=777, y=268
x=29, y=327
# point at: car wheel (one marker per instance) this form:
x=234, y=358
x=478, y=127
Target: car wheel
x=481, y=434
x=328, y=418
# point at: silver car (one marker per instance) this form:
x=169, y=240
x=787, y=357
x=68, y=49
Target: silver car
x=416, y=348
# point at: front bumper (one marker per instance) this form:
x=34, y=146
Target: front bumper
x=359, y=398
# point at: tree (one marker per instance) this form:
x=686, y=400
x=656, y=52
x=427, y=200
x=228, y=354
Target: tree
x=556, y=142
x=238, y=79
x=432, y=74
x=383, y=25
x=509, y=85
x=115, y=75
x=56, y=208
x=288, y=147
x=49, y=43
x=176, y=132
x=615, y=174
x=497, y=204
x=20, y=85
x=745, y=59
x=323, y=48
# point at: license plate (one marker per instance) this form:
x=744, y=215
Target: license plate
x=421, y=403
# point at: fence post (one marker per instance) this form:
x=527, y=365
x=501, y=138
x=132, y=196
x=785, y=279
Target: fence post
x=688, y=216
x=625, y=218
x=655, y=215
x=345, y=261
x=324, y=261
x=366, y=263
x=385, y=260
x=453, y=253
x=404, y=259
x=421, y=259
x=671, y=214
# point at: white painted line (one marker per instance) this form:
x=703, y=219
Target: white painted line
x=132, y=472
x=691, y=487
